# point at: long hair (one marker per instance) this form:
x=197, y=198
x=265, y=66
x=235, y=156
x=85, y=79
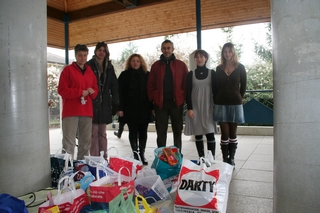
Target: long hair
x=143, y=63
x=106, y=58
x=234, y=59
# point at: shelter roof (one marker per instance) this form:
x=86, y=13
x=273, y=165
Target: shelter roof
x=112, y=21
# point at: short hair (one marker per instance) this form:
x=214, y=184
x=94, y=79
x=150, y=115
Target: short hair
x=80, y=47
x=143, y=62
x=201, y=52
x=103, y=44
x=235, y=61
x=167, y=41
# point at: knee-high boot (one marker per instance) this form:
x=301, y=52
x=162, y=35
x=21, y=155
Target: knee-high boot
x=142, y=148
x=211, y=145
x=225, y=151
x=233, y=144
x=200, y=148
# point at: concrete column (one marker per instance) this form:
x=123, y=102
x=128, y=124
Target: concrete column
x=296, y=53
x=24, y=135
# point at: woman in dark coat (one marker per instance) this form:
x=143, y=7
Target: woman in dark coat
x=135, y=106
x=107, y=102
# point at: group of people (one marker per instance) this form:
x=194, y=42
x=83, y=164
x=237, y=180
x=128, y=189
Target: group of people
x=92, y=94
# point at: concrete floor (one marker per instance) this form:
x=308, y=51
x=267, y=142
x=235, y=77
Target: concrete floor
x=251, y=187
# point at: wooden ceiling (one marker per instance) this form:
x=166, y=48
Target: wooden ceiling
x=115, y=21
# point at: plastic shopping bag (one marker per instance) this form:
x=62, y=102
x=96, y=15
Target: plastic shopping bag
x=152, y=188
x=9, y=203
x=143, y=206
x=71, y=201
x=121, y=205
x=167, y=171
x=60, y=165
x=202, y=188
x=118, y=161
x=107, y=188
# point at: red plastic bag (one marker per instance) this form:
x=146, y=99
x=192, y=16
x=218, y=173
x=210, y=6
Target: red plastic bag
x=118, y=161
x=69, y=202
x=108, y=187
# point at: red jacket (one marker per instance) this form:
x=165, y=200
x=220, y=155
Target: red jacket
x=71, y=85
x=155, y=82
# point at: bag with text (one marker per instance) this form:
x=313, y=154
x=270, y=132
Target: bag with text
x=103, y=190
x=204, y=187
x=68, y=199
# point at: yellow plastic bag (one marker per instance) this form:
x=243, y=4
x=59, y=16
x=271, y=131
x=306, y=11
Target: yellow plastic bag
x=142, y=206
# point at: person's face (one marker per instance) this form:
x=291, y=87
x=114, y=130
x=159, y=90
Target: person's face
x=200, y=60
x=167, y=49
x=81, y=57
x=227, y=53
x=100, y=53
x=135, y=63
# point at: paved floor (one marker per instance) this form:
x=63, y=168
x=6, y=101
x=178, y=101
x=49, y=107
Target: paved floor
x=251, y=187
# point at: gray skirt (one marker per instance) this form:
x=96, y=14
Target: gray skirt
x=229, y=113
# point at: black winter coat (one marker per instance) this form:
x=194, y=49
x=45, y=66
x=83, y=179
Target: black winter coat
x=134, y=100
x=107, y=100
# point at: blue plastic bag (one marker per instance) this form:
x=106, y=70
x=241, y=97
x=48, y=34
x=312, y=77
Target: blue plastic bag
x=163, y=169
x=10, y=204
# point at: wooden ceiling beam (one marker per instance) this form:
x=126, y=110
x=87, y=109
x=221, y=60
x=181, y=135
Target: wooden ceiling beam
x=96, y=10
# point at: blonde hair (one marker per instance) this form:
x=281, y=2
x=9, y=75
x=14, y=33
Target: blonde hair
x=234, y=59
x=143, y=63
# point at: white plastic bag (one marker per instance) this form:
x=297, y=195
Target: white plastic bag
x=203, y=188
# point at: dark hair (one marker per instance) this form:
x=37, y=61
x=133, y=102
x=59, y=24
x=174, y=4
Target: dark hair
x=103, y=44
x=201, y=52
x=80, y=47
x=167, y=41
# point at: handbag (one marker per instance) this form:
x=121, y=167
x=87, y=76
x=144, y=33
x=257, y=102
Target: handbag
x=71, y=201
x=203, y=188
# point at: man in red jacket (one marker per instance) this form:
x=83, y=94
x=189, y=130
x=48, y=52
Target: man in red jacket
x=167, y=90
x=77, y=87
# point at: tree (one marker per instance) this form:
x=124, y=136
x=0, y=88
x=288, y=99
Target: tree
x=260, y=74
x=53, y=72
x=120, y=64
x=228, y=31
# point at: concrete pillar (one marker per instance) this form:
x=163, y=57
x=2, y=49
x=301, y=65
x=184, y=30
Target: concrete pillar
x=24, y=135
x=296, y=45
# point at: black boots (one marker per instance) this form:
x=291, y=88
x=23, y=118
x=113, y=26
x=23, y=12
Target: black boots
x=228, y=151
x=225, y=152
x=232, y=151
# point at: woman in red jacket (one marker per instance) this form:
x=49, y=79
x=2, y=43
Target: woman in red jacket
x=77, y=87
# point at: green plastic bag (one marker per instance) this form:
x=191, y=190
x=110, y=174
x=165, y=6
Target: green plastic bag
x=122, y=203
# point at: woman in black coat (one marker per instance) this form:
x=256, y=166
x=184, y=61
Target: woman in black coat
x=135, y=106
x=107, y=102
